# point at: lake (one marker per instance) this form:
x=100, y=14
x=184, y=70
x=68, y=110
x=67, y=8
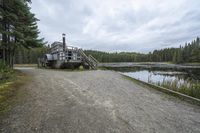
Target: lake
x=154, y=76
x=162, y=76
x=159, y=77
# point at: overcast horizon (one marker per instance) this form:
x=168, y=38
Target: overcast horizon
x=114, y=25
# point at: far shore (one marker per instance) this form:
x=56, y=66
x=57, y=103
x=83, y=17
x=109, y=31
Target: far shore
x=151, y=65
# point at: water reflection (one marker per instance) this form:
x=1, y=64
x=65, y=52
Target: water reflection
x=158, y=76
x=183, y=80
x=145, y=76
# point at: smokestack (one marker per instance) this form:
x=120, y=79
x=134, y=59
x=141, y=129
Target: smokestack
x=64, y=43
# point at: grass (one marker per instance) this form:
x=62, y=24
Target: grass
x=25, y=65
x=188, y=87
x=9, y=90
x=5, y=72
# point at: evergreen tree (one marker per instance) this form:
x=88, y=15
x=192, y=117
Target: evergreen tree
x=188, y=53
x=18, y=28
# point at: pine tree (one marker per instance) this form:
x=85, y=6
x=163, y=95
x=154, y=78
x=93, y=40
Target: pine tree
x=18, y=28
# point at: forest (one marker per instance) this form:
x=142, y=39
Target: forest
x=189, y=53
x=18, y=32
x=18, y=29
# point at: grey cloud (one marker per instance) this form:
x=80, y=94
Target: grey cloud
x=116, y=25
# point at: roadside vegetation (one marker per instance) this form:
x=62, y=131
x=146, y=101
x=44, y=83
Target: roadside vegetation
x=9, y=81
x=18, y=32
x=5, y=72
x=6, y=92
x=191, y=88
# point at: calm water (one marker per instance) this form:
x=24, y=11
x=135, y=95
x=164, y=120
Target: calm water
x=159, y=76
x=145, y=75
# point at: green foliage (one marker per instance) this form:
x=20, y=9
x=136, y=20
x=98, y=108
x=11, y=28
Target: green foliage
x=29, y=56
x=116, y=57
x=190, y=88
x=2, y=66
x=189, y=53
x=18, y=28
x=9, y=90
x=195, y=90
x=5, y=72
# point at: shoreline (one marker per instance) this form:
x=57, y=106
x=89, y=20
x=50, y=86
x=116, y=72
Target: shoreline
x=150, y=65
x=182, y=96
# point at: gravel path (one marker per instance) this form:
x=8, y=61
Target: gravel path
x=96, y=102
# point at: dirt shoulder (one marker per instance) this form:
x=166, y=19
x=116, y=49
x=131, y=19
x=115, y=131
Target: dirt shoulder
x=95, y=102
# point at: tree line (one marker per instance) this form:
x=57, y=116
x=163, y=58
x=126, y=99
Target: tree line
x=18, y=29
x=115, y=57
x=190, y=52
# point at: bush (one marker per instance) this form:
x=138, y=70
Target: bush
x=195, y=91
x=5, y=71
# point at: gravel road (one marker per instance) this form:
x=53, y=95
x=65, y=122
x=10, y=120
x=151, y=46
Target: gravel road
x=96, y=102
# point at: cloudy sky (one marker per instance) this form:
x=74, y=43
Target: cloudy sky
x=119, y=25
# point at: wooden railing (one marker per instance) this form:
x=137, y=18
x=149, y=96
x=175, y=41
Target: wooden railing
x=90, y=60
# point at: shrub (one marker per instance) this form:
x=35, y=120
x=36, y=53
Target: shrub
x=5, y=71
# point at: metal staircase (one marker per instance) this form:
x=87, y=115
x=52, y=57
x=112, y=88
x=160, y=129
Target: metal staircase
x=88, y=60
